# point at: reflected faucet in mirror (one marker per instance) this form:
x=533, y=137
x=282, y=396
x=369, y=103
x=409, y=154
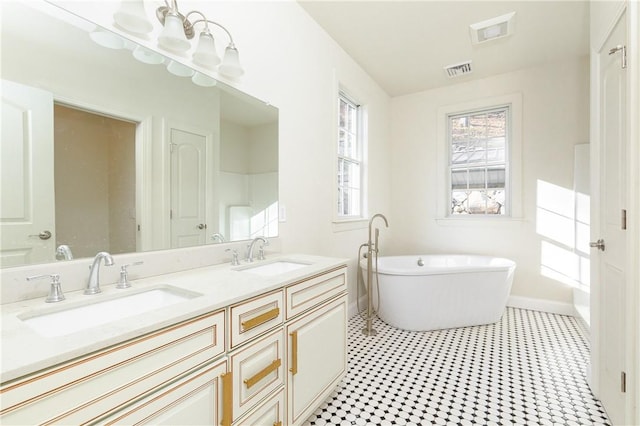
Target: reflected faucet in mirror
x=96, y=196
x=218, y=238
x=63, y=252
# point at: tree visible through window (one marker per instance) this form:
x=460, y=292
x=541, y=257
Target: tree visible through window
x=349, y=160
x=478, y=162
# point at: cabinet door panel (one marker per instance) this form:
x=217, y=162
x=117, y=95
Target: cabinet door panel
x=193, y=400
x=269, y=413
x=321, y=355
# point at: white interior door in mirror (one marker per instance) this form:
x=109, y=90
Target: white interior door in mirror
x=188, y=188
x=27, y=222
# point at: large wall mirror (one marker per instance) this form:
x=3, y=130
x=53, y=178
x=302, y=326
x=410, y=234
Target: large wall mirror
x=105, y=152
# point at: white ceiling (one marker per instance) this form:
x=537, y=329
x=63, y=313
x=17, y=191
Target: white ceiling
x=404, y=45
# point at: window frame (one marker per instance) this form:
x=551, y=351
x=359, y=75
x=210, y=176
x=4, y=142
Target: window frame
x=513, y=158
x=361, y=149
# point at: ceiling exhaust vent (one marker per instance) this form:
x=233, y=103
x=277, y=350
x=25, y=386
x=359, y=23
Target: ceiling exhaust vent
x=491, y=29
x=457, y=70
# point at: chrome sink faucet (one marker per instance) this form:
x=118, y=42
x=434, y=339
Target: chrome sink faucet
x=93, y=285
x=251, y=245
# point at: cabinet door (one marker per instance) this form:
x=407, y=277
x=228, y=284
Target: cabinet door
x=317, y=357
x=196, y=399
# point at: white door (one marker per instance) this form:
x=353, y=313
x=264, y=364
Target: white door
x=188, y=188
x=612, y=196
x=27, y=213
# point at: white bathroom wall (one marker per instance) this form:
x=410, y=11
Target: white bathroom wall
x=555, y=117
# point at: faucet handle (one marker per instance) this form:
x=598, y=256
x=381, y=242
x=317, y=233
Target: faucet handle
x=234, y=257
x=124, y=275
x=55, y=289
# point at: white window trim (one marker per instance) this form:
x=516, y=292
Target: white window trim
x=347, y=223
x=514, y=101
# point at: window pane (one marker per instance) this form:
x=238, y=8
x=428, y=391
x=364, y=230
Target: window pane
x=496, y=124
x=496, y=149
x=459, y=204
x=496, y=177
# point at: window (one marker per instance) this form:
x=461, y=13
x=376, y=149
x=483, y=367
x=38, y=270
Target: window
x=479, y=162
x=350, y=154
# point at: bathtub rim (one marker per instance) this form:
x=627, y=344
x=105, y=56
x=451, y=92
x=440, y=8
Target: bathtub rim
x=506, y=265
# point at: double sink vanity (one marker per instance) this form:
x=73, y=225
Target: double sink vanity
x=257, y=344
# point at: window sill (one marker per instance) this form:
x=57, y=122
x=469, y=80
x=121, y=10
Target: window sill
x=468, y=221
x=349, y=224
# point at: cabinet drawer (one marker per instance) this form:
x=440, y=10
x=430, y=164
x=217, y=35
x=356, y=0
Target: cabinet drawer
x=252, y=318
x=194, y=399
x=312, y=292
x=80, y=390
x=258, y=370
x=269, y=413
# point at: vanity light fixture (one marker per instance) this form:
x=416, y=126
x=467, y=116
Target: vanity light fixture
x=176, y=32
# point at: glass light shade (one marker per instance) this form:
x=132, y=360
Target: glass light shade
x=172, y=36
x=176, y=68
x=132, y=17
x=205, y=53
x=203, y=80
x=107, y=39
x=147, y=56
x=231, y=63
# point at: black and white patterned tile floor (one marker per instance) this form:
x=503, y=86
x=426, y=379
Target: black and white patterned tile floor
x=527, y=369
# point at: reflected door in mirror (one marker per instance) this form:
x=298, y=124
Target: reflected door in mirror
x=26, y=207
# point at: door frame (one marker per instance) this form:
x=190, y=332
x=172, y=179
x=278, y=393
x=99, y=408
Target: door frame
x=143, y=158
x=632, y=316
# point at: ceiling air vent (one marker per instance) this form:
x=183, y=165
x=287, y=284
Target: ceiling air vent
x=457, y=70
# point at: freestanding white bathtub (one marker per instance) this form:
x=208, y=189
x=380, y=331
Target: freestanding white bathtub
x=432, y=292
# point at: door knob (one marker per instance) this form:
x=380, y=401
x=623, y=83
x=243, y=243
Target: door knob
x=202, y=226
x=598, y=244
x=44, y=235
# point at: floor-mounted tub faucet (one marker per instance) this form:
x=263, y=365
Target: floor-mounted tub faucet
x=368, y=330
x=93, y=285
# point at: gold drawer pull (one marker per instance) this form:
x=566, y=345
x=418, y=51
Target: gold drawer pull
x=294, y=353
x=277, y=423
x=262, y=373
x=227, y=399
x=260, y=319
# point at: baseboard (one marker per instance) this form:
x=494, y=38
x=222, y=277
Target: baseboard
x=353, y=309
x=541, y=305
x=583, y=322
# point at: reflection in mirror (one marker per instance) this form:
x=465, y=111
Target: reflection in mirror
x=101, y=151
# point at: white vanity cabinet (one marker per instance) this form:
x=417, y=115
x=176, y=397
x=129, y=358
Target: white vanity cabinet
x=265, y=359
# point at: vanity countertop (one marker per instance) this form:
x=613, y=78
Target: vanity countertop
x=25, y=351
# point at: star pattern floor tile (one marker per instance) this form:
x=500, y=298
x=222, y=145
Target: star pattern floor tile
x=527, y=369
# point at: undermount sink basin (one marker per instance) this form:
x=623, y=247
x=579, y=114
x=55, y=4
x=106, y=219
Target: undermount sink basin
x=274, y=268
x=73, y=318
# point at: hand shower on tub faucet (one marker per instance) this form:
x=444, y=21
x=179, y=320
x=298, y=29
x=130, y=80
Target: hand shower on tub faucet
x=377, y=234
